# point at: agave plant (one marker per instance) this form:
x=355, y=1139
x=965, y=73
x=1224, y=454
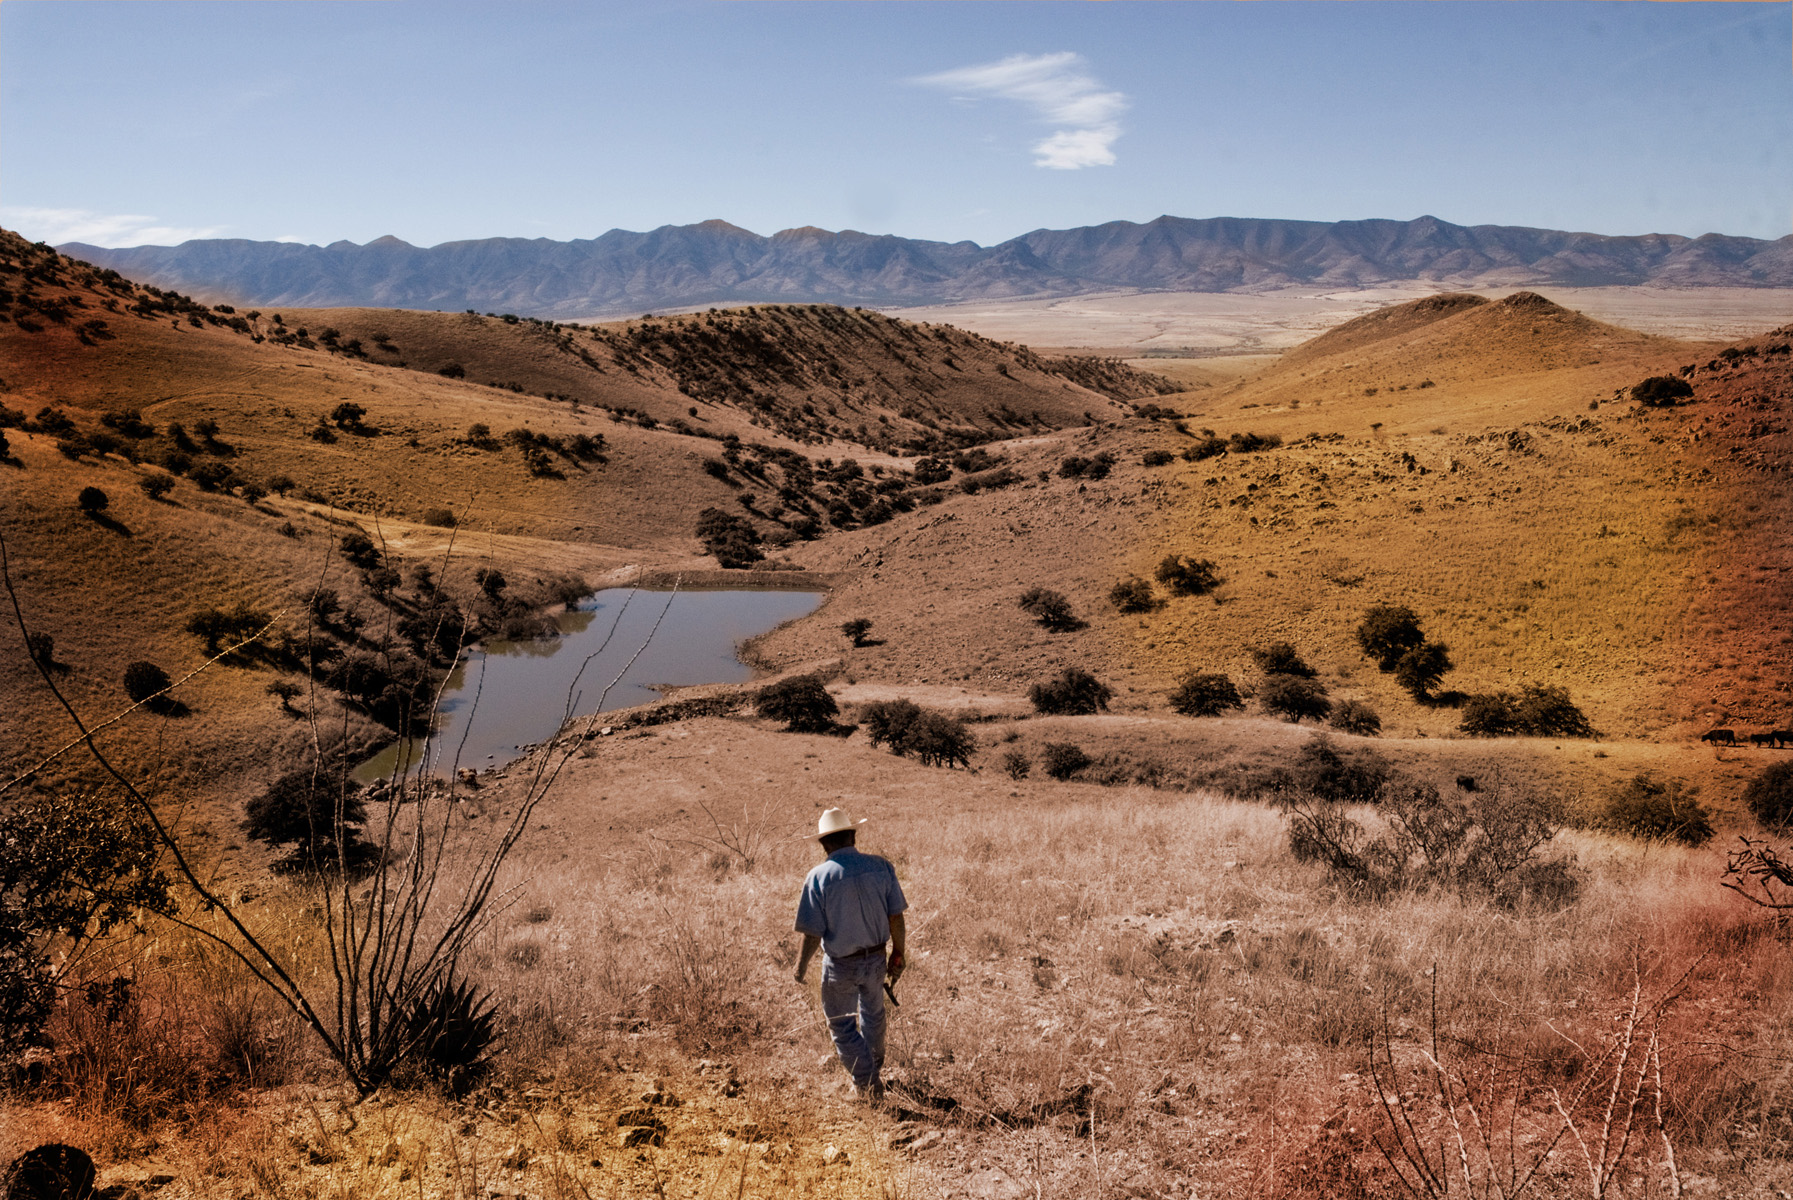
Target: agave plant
x=449, y=1032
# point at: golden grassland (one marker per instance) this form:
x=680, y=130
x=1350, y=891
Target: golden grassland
x=1113, y=992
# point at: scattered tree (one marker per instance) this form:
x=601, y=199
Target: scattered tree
x=937, y=740
x=1049, y=608
x=286, y=691
x=440, y=518
x=856, y=629
x=1061, y=760
x=886, y=721
x=360, y=550
x=1074, y=691
x=156, y=485
x=1133, y=595
x=93, y=501
x=1187, y=576
x=1205, y=695
x=144, y=679
x=1354, y=716
x=1279, y=658
x=1016, y=765
x=1294, y=699
x=315, y=815
x=733, y=540
x=802, y=702
x=1537, y=711
x=1769, y=796
x=1420, y=669
x=1658, y=810
x=1387, y=632
x=492, y=582
x=1661, y=391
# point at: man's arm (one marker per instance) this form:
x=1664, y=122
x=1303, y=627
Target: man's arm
x=895, y=967
x=811, y=943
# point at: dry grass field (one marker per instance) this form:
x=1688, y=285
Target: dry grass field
x=1124, y=983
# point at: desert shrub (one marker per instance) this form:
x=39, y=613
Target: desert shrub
x=1074, y=691
x=1157, y=458
x=995, y=480
x=348, y=414
x=1294, y=698
x=492, y=582
x=1074, y=466
x=1387, y=632
x=452, y=370
x=1769, y=796
x=217, y=625
x=144, y=679
x=1321, y=769
x=41, y=648
x=1186, y=576
x=175, y=462
x=1660, y=391
x=1658, y=810
x=1199, y=695
x=886, y=721
x=285, y=691
x=733, y=540
x=937, y=740
x=212, y=476
x=1420, y=669
x=253, y=492
x=1049, y=608
x=441, y=518
x=314, y=816
x=93, y=501
x=1280, y=658
x=1016, y=765
x=1061, y=760
x=1490, y=845
x=1537, y=711
x=801, y=701
x=1204, y=448
x=451, y=1031
x=1354, y=716
x=479, y=436
x=856, y=629
x=1132, y=595
x=1248, y=443
x=931, y=471
x=360, y=550
x=72, y=868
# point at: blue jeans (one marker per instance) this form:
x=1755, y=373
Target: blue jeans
x=853, y=1001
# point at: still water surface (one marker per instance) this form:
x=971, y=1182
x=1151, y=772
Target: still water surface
x=506, y=695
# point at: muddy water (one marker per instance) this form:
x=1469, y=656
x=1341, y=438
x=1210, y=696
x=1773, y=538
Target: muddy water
x=506, y=695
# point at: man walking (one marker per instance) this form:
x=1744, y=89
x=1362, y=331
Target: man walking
x=850, y=904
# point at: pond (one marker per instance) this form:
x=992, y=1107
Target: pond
x=506, y=695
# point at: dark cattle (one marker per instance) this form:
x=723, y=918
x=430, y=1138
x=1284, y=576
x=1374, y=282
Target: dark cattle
x=1780, y=737
x=1760, y=739
x=1720, y=737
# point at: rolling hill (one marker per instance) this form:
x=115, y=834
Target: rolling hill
x=718, y=263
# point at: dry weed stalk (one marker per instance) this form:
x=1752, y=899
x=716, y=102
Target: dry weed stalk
x=747, y=839
x=1497, y=1149
x=392, y=935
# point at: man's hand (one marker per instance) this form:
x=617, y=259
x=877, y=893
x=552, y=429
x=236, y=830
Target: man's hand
x=811, y=944
x=893, y=970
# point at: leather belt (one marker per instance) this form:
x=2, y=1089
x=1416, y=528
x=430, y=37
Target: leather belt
x=865, y=953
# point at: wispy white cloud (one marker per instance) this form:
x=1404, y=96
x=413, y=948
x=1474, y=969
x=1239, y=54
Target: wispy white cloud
x=59, y=225
x=1061, y=91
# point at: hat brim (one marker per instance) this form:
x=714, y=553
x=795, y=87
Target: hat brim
x=843, y=829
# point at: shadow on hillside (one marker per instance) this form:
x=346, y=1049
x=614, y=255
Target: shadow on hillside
x=105, y=522
x=168, y=706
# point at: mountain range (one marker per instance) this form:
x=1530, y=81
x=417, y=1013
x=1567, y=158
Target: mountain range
x=715, y=262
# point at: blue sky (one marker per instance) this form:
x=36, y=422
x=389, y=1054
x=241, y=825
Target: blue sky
x=126, y=123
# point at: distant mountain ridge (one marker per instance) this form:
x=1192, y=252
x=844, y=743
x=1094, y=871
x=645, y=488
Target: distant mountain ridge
x=718, y=263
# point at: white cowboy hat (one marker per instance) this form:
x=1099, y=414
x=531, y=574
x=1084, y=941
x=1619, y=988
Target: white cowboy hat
x=835, y=820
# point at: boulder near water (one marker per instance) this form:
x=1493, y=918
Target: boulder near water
x=52, y=1171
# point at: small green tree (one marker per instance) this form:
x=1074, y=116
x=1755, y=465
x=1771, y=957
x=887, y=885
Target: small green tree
x=315, y=815
x=144, y=679
x=1354, y=716
x=1420, y=669
x=1187, y=576
x=156, y=485
x=1075, y=691
x=1016, y=765
x=1061, y=760
x=1664, y=810
x=360, y=550
x=348, y=414
x=1049, y=608
x=802, y=702
x=1280, y=658
x=1661, y=391
x=1387, y=632
x=1133, y=595
x=286, y=691
x=937, y=740
x=1205, y=695
x=856, y=629
x=1294, y=699
x=886, y=721
x=1769, y=796
x=93, y=501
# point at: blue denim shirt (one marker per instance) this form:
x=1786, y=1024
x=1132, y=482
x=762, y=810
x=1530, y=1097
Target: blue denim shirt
x=848, y=901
